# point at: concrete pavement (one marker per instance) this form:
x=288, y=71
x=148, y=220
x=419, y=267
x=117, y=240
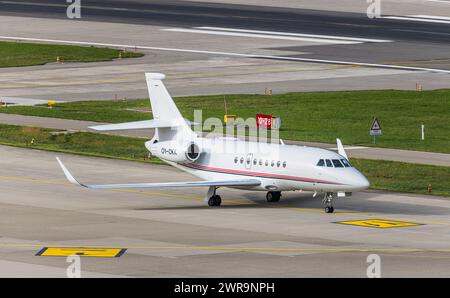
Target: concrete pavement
x=172, y=233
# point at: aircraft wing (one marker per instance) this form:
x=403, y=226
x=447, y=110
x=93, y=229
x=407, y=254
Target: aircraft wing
x=241, y=182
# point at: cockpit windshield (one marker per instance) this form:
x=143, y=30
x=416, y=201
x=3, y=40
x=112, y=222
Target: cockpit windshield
x=346, y=163
x=337, y=163
x=334, y=163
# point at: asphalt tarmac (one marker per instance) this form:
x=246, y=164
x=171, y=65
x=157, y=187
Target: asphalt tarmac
x=173, y=233
x=223, y=48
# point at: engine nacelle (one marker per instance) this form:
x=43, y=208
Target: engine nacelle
x=176, y=152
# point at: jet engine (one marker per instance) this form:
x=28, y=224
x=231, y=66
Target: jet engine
x=175, y=152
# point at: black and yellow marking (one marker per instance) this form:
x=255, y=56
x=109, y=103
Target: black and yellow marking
x=379, y=223
x=99, y=252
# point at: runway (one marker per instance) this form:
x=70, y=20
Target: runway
x=172, y=233
x=214, y=48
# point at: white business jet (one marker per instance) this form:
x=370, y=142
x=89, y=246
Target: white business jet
x=234, y=163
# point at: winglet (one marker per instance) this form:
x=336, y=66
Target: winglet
x=341, y=150
x=67, y=173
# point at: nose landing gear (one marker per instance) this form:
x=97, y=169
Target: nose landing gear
x=328, y=202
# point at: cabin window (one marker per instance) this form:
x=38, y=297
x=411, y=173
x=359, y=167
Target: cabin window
x=248, y=161
x=337, y=163
x=242, y=160
x=260, y=162
x=346, y=163
x=255, y=161
x=272, y=163
x=321, y=163
x=328, y=162
x=284, y=164
x=236, y=159
x=278, y=164
x=267, y=163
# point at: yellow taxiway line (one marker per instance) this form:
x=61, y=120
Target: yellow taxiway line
x=241, y=249
x=236, y=202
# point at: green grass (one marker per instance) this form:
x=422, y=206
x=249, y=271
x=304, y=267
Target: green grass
x=84, y=143
x=27, y=54
x=405, y=177
x=308, y=116
x=383, y=175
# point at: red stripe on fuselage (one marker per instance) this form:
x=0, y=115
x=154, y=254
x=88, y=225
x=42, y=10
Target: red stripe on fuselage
x=256, y=174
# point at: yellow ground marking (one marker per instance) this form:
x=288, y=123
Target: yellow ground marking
x=70, y=250
x=81, y=251
x=308, y=210
x=378, y=223
x=420, y=221
x=33, y=180
x=412, y=254
x=150, y=193
x=358, y=214
x=236, y=201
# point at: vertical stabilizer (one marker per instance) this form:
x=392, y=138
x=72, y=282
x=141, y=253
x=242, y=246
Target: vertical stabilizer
x=164, y=108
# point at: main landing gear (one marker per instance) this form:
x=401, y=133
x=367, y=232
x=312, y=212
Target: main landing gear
x=328, y=202
x=214, y=200
x=273, y=196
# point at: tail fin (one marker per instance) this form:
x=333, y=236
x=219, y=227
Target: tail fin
x=164, y=108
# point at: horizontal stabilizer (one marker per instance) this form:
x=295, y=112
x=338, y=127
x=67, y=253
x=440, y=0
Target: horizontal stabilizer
x=132, y=125
x=217, y=183
x=138, y=125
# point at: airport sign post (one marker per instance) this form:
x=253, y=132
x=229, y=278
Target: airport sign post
x=268, y=121
x=423, y=131
x=375, y=130
x=264, y=121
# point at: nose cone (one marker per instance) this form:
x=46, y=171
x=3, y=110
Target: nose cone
x=360, y=182
x=355, y=181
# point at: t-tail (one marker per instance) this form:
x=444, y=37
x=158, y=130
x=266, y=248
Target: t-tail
x=172, y=124
x=174, y=140
x=167, y=120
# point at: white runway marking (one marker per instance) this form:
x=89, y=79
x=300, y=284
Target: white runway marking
x=420, y=18
x=257, y=35
x=311, y=60
x=440, y=1
x=430, y=17
x=332, y=37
